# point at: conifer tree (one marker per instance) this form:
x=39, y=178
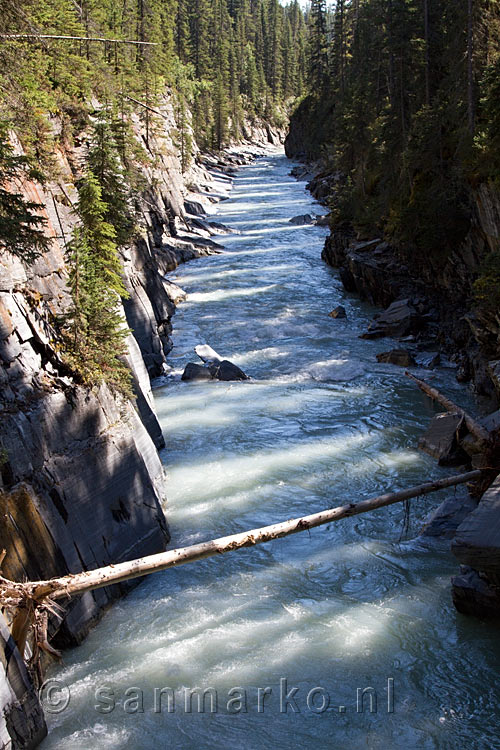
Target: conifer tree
x=104, y=163
x=93, y=329
x=21, y=226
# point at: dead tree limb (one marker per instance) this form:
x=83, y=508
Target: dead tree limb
x=28, y=602
x=70, y=585
x=77, y=38
x=473, y=425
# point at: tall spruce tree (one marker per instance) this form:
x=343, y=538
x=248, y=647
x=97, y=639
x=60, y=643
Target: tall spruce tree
x=94, y=332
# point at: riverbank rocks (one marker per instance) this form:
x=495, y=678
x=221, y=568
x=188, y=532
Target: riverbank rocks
x=430, y=360
x=476, y=545
x=400, y=319
x=322, y=220
x=444, y=521
x=477, y=542
x=338, y=313
x=441, y=441
x=401, y=357
x=474, y=594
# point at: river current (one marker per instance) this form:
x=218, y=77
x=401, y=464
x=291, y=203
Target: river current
x=342, y=637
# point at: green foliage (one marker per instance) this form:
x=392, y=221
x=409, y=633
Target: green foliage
x=108, y=138
x=21, y=227
x=408, y=113
x=93, y=330
x=487, y=286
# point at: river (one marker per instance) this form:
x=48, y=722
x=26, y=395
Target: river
x=353, y=621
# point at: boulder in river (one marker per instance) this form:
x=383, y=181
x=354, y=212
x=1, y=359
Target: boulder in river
x=226, y=370
x=401, y=357
x=303, y=220
x=338, y=312
x=193, y=371
x=441, y=440
x=400, y=319
x=207, y=354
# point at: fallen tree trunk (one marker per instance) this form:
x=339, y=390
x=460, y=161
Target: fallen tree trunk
x=472, y=425
x=70, y=585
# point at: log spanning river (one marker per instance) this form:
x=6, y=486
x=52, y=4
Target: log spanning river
x=342, y=637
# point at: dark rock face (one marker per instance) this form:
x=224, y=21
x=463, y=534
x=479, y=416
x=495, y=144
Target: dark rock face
x=302, y=220
x=401, y=357
x=338, y=312
x=476, y=591
x=475, y=595
x=322, y=221
x=477, y=542
x=226, y=370
x=444, y=520
x=22, y=724
x=81, y=488
x=193, y=371
x=400, y=319
x=441, y=440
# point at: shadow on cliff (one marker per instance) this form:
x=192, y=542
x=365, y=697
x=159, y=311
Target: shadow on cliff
x=78, y=493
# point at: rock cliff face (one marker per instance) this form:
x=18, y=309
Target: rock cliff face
x=380, y=273
x=81, y=481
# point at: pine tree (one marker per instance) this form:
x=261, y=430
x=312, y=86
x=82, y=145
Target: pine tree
x=104, y=163
x=318, y=54
x=93, y=330
x=21, y=226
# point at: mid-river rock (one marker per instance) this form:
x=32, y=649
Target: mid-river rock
x=193, y=371
x=401, y=357
x=207, y=354
x=303, y=220
x=226, y=370
x=338, y=312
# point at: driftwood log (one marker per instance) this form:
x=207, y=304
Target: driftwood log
x=28, y=603
x=78, y=583
x=474, y=427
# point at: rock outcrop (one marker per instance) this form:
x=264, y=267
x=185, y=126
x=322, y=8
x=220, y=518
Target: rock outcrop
x=476, y=590
x=442, y=439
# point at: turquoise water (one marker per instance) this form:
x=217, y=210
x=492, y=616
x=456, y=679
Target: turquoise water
x=346, y=614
